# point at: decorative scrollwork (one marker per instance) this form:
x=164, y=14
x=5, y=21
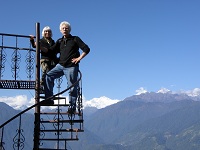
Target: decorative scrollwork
x=16, y=58
x=59, y=81
x=71, y=116
x=58, y=125
x=1, y=146
x=30, y=60
x=79, y=99
x=18, y=140
x=2, y=61
x=42, y=134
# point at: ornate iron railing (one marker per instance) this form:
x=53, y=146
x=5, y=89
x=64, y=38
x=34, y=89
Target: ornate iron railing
x=73, y=124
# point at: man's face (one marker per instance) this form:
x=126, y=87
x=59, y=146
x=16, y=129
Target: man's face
x=65, y=30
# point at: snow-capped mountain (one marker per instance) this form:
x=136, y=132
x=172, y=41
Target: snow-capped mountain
x=193, y=93
x=20, y=102
x=99, y=102
x=165, y=95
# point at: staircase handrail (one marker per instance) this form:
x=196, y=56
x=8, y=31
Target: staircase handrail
x=17, y=35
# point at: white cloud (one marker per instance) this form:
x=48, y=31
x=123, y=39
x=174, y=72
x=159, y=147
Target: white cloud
x=17, y=102
x=192, y=93
x=100, y=102
x=141, y=90
x=21, y=102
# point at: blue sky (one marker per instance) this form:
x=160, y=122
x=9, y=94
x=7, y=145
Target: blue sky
x=152, y=44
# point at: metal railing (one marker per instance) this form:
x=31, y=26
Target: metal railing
x=19, y=138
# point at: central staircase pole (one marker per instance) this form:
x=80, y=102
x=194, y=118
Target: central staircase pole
x=37, y=90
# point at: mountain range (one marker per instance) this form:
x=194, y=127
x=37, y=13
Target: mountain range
x=149, y=121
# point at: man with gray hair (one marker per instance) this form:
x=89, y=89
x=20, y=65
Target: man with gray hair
x=68, y=65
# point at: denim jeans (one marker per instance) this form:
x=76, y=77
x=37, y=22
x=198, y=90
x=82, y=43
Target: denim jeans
x=71, y=74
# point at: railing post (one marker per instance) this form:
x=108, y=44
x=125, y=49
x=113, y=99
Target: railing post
x=37, y=108
x=1, y=53
x=1, y=141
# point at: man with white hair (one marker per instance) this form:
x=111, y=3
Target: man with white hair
x=68, y=65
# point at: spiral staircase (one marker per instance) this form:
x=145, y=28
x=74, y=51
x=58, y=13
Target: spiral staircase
x=53, y=128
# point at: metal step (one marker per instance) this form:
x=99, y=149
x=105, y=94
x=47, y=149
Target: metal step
x=55, y=98
x=56, y=139
x=63, y=121
x=62, y=130
x=50, y=149
x=62, y=113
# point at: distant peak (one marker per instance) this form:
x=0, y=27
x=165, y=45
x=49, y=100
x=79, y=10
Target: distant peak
x=163, y=90
x=100, y=102
x=141, y=90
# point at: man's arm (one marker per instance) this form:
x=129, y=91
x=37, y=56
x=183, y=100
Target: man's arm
x=76, y=60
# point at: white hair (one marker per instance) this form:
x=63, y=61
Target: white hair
x=45, y=29
x=65, y=23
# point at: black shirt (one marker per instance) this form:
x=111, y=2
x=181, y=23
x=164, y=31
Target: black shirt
x=68, y=49
x=43, y=42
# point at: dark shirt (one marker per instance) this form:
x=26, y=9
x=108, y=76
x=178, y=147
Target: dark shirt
x=46, y=55
x=68, y=49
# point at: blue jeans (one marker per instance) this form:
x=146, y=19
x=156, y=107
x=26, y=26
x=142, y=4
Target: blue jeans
x=71, y=74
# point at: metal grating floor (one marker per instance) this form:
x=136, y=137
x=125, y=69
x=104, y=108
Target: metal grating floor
x=17, y=84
